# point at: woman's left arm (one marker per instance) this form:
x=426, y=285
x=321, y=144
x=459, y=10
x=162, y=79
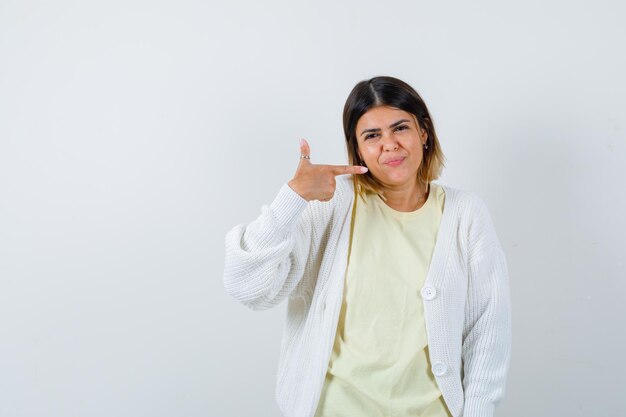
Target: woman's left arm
x=487, y=337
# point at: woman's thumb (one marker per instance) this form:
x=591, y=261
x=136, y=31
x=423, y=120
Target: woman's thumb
x=304, y=148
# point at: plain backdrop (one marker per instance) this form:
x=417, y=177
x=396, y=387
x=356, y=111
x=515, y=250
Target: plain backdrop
x=135, y=134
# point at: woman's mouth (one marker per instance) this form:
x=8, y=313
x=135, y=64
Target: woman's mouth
x=395, y=162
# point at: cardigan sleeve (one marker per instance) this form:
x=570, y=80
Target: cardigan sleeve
x=265, y=259
x=486, y=350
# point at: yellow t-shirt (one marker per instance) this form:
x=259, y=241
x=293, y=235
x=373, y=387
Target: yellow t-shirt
x=380, y=364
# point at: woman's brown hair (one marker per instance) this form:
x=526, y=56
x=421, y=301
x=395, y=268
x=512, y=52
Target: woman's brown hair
x=392, y=92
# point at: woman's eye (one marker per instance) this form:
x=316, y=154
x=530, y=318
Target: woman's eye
x=371, y=135
x=402, y=127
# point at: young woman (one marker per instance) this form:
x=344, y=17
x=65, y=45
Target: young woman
x=397, y=287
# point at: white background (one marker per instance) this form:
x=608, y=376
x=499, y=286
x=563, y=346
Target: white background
x=134, y=134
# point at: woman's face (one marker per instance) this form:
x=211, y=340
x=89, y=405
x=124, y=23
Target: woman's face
x=391, y=143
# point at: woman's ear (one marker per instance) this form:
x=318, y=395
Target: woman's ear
x=422, y=132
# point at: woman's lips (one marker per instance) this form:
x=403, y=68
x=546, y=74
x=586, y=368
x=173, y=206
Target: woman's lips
x=395, y=162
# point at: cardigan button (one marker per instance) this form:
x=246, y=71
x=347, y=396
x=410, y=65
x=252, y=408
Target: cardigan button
x=439, y=368
x=428, y=292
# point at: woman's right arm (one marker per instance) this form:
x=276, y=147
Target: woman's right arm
x=265, y=258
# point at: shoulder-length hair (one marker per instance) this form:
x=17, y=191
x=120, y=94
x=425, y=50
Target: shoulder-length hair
x=392, y=92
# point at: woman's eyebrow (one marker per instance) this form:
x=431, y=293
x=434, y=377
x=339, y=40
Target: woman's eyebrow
x=390, y=126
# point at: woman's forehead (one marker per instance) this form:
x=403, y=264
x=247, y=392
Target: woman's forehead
x=383, y=115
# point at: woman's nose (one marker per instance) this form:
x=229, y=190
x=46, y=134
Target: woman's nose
x=389, y=142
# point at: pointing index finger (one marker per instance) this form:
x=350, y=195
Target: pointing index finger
x=347, y=169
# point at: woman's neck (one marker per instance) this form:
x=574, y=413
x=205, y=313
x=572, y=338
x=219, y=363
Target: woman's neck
x=408, y=198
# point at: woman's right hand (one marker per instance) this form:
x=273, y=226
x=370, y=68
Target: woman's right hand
x=315, y=181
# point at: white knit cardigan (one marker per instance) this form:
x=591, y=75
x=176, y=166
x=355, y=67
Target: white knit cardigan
x=298, y=250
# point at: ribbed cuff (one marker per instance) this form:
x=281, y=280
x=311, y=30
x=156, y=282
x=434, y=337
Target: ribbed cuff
x=287, y=207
